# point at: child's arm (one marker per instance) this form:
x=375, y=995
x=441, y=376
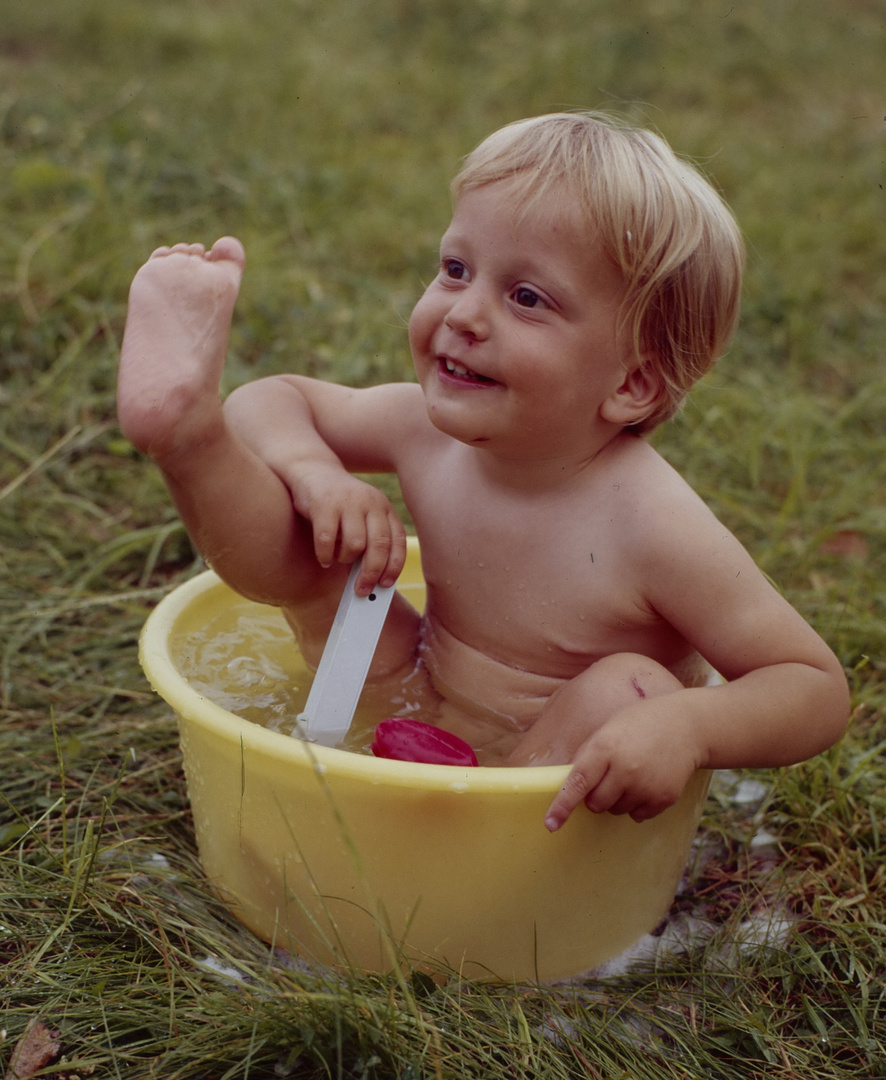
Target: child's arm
x=313, y=435
x=785, y=699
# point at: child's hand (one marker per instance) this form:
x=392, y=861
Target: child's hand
x=637, y=763
x=350, y=519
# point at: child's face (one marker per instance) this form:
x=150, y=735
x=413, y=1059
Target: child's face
x=515, y=342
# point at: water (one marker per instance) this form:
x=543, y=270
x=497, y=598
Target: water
x=245, y=660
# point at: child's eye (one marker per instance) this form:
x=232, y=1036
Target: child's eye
x=454, y=269
x=526, y=297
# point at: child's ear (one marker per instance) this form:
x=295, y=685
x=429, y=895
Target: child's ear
x=635, y=399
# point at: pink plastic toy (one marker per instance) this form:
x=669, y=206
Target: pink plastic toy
x=412, y=740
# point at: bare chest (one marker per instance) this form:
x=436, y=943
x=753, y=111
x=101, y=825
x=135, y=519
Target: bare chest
x=537, y=581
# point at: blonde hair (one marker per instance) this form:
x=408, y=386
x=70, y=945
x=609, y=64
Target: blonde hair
x=661, y=223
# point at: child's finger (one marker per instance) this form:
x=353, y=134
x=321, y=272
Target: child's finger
x=610, y=795
x=352, y=542
x=579, y=784
x=397, y=553
x=375, y=560
x=385, y=549
x=326, y=528
x=643, y=807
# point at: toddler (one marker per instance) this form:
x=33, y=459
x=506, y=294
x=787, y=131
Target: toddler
x=578, y=591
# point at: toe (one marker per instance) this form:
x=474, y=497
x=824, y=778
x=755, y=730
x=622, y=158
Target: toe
x=228, y=247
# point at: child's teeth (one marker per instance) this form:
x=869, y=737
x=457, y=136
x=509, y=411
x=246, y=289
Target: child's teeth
x=458, y=369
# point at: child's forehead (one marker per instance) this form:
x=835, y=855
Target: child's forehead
x=552, y=215
x=553, y=209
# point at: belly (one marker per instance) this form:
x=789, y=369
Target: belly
x=482, y=686
x=491, y=704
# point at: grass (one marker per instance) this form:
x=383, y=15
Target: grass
x=324, y=136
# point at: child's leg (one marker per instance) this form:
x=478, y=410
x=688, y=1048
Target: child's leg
x=583, y=705
x=236, y=509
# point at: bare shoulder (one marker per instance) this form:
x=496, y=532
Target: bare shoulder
x=672, y=523
x=644, y=490
x=675, y=541
x=699, y=577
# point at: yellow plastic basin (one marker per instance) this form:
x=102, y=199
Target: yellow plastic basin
x=353, y=860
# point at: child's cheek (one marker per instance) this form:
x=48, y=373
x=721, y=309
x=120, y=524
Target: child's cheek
x=421, y=328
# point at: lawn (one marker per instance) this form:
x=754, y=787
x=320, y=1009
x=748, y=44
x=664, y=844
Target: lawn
x=324, y=136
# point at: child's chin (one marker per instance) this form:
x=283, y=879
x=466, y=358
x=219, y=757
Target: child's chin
x=457, y=427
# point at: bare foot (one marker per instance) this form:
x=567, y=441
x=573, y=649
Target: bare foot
x=180, y=307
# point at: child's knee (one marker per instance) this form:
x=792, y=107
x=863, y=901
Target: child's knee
x=614, y=683
x=584, y=704
x=632, y=676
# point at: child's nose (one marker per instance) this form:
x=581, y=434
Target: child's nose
x=469, y=314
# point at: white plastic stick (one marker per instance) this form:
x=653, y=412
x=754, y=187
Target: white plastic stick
x=346, y=657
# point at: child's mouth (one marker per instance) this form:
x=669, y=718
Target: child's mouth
x=458, y=372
